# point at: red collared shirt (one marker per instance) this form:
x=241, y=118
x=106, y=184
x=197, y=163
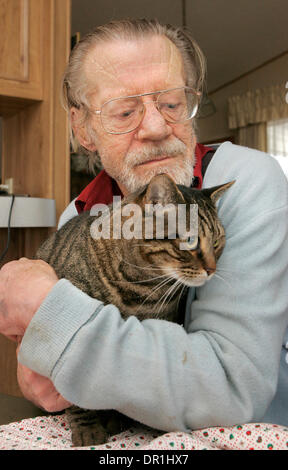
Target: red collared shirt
x=102, y=189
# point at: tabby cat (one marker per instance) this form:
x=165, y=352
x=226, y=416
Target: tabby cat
x=141, y=277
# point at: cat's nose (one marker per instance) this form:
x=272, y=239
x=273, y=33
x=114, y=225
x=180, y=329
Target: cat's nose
x=209, y=263
x=210, y=270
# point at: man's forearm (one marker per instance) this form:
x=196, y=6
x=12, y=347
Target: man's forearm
x=63, y=312
x=223, y=369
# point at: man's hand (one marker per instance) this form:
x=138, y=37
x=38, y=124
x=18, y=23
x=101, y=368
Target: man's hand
x=40, y=390
x=24, y=285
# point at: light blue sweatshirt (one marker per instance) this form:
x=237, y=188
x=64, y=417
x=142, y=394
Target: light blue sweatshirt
x=223, y=367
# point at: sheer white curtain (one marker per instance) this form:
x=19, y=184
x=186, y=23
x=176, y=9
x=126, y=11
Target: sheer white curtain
x=277, y=137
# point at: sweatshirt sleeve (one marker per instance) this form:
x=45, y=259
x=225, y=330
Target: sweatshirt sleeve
x=220, y=369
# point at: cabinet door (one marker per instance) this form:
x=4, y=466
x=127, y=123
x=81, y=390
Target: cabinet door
x=20, y=48
x=14, y=58
x=35, y=127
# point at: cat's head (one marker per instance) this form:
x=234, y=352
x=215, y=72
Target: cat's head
x=189, y=259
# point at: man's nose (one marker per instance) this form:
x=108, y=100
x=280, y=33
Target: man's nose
x=153, y=125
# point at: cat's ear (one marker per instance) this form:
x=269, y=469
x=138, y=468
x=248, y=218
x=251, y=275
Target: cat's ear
x=163, y=190
x=217, y=191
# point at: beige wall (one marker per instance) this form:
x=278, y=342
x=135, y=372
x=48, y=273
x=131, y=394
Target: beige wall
x=216, y=127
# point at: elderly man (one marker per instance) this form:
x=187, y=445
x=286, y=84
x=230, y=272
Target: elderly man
x=227, y=365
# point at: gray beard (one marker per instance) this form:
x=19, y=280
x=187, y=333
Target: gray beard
x=183, y=176
x=181, y=173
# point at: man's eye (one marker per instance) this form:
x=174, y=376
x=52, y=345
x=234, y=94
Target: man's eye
x=124, y=114
x=171, y=105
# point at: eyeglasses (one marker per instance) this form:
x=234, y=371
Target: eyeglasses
x=125, y=114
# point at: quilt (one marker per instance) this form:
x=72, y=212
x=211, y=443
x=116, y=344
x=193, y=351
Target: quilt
x=53, y=433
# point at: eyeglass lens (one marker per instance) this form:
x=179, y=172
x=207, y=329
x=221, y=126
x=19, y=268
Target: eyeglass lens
x=122, y=115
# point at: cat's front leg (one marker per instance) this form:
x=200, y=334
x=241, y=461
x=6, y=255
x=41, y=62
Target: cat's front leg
x=86, y=427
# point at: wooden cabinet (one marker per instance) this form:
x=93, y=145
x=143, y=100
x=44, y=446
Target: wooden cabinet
x=21, y=47
x=33, y=53
x=34, y=48
x=14, y=24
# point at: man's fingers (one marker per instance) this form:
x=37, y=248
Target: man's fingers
x=40, y=390
x=13, y=338
x=24, y=284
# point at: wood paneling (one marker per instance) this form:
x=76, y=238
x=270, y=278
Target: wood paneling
x=26, y=137
x=21, y=51
x=61, y=165
x=35, y=139
x=9, y=105
x=35, y=150
x=14, y=53
x=8, y=367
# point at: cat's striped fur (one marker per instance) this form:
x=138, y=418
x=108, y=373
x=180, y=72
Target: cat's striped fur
x=141, y=277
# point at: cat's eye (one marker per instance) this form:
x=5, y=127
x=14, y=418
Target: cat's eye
x=216, y=244
x=192, y=243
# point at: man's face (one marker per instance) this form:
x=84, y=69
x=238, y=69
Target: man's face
x=122, y=68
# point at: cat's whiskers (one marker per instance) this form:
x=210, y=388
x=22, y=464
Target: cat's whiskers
x=181, y=292
x=178, y=280
x=143, y=280
x=231, y=271
x=156, y=288
x=217, y=275
x=143, y=267
x=220, y=270
x=170, y=293
x=180, y=295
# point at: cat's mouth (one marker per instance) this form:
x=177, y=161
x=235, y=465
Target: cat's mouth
x=189, y=280
x=196, y=282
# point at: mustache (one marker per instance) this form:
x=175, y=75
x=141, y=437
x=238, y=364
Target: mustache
x=147, y=153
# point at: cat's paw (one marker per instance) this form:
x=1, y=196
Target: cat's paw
x=89, y=437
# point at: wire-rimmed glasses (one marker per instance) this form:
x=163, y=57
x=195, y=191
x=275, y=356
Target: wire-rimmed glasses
x=125, y=114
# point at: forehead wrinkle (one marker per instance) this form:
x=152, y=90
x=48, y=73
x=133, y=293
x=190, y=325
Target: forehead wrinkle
x=98, y=68
x=116, y=71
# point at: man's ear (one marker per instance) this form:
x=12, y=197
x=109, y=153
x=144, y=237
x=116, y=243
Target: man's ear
x=80, y=131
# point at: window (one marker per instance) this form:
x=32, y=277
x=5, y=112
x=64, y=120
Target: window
x=277, y=137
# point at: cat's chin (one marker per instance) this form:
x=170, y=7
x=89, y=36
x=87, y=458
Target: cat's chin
x=197, y=282
x=189, y=281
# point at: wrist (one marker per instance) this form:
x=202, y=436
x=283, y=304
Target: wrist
x=63, y=312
